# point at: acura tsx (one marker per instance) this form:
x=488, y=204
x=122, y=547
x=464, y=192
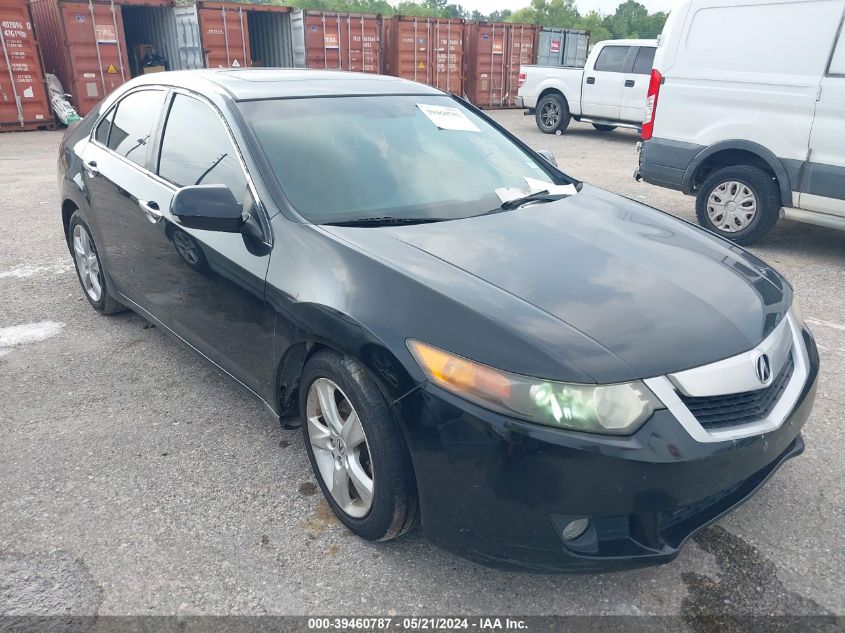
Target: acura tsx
x=545, y=375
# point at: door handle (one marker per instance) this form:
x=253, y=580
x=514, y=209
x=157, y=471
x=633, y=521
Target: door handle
x=629, y=83
x=591, y=80
x=154, y=214
x=91, y=168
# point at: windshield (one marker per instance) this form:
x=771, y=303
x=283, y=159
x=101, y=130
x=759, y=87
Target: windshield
x=402, y=157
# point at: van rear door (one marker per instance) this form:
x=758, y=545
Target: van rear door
x=823, y=184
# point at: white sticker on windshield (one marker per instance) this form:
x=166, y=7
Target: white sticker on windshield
x=448, y=118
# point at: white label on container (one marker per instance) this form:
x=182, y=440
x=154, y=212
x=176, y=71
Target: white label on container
x=447, y=118
x=28, y=93
x=88, y=75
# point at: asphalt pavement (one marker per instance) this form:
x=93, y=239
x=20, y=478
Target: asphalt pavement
x=135, y=479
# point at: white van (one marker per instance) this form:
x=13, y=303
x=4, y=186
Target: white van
x=746, y=111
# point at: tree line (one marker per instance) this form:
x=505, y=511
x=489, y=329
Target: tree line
x=630, y=19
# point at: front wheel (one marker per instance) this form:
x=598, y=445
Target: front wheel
x=552, y=114
x=355, y=449
x=741, y=203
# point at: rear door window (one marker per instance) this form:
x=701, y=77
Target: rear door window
x=644, y=61
x=133, y=124
x=196, y=149
x=102, y=133
x=612, y=59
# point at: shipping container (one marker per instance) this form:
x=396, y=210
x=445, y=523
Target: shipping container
x=340, y=41
x=562, y=47
x=427, y=50
x=86, y=46
x=494, y=51
x=231, y=35
x=24, y=101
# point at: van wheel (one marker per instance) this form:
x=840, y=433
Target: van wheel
x=741, y=203
x=552, y=114
x=356, y=449
x=601, y=127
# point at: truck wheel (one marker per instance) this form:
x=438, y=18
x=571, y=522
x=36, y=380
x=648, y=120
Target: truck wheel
x=601, y=127
x=552, y=114
x=741, y=203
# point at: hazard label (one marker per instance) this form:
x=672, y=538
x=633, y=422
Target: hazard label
x=236, y=64
x=422, y=66
x=112, y=69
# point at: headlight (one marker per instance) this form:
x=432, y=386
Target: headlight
x=610, y=409
x=796, y=311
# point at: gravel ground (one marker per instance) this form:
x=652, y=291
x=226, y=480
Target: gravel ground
x=134, y=479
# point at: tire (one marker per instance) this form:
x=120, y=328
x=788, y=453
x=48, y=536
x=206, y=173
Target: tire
x=189, y=250
x=89, y=267
x=744, y=186
x=552, y=114
x=601, y=127
x=393, y=508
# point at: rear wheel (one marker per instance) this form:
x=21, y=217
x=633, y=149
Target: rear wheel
x=601, y=127
x=89, y=268
x=740, y=203
x=552, y=114
x=355, y=449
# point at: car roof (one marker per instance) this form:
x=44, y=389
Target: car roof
x=244, y=84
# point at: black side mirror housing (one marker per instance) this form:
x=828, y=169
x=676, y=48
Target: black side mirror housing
x=208, y=208
x=550, y=158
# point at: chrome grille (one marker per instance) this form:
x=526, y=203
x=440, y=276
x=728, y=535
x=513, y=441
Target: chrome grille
x=718, y=412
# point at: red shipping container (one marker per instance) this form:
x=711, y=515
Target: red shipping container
x=340, y=41
x=24, y=103
x=427, y=50
x=84, y=45
x=494, y=53
x=225, y=32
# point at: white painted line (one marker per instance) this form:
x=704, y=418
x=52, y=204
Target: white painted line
x=835, y=326
x=29, y=333
x=23, y=271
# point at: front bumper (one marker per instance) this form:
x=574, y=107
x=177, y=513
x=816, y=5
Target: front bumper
x=498, y=490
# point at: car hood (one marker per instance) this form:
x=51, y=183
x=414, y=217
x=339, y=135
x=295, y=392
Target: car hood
x=654, y=293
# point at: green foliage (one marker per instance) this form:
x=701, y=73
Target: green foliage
x=630, y=20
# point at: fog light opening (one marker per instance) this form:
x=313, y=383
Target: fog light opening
x=574, y=529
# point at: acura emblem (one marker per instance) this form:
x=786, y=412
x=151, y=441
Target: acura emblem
x=764, y=369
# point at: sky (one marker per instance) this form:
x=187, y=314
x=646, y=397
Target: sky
x=605, y=6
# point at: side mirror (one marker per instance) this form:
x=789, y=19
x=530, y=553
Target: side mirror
x=550, y=158
x=208, y=207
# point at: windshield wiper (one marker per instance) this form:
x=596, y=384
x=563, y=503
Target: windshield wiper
x=385, y=221
x=538, y=196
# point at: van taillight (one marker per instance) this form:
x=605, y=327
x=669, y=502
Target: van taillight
x=651, y=104
x=522, y=78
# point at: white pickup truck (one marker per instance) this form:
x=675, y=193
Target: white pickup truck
x=609, y=92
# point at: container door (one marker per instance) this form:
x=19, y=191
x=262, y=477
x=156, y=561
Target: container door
x=551, y=48
x=447, y=55
x=97, y=51
x=365, y=47
x=224, y=32
x=521, y=46
x=23, y=95
x=823, y=185
x=635, y=88
x=323, y=41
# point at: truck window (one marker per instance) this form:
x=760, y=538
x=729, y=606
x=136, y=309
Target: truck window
x=644, y=61
x=612, y=59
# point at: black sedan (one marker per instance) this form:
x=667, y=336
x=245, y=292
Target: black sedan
x=546, y=375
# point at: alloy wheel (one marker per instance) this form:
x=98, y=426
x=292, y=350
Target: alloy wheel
x=732, y=206
x=87, y=263
x=550, y=115
x=186, y=247
x=340, y=447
